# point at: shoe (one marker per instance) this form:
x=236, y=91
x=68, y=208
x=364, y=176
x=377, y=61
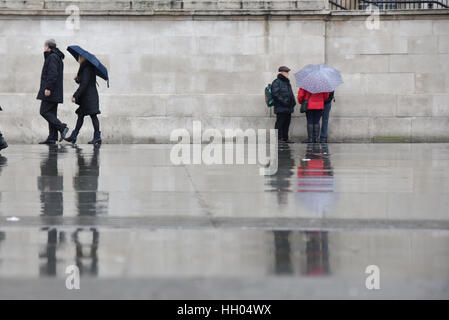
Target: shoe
x=323, y=140
x=3, y=144
x=72, y=138
x=309, y=134
x=288, y=141
x=48, y=142
x=64, y=133
x=96, y=139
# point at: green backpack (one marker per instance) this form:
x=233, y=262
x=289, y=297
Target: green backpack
x=268, y=97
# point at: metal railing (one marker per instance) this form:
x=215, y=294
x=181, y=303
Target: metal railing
x=389, y=4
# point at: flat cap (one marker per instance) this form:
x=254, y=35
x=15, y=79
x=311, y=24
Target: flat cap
x=284, y=69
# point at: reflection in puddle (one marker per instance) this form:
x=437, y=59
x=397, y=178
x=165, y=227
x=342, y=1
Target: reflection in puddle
x=88, y=203
x=316, y=185
x=312, y=258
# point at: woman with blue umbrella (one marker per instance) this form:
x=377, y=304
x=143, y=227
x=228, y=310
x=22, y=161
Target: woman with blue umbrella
x=87, y=95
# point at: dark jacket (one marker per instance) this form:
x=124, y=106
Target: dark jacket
x=284, y=100
x=52, y=77
x=328, y=101
x=87, y=95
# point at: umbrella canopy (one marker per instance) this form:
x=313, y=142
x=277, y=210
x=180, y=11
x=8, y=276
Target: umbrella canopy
x=100, y=69
x=317, y=78
x=1, y=108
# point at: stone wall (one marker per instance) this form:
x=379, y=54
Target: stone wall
x=168, y=69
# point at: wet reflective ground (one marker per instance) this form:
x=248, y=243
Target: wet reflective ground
x=138, y=226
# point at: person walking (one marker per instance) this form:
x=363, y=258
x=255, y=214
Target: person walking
x=3, y=144
x=315, y=107
x=87, y=98
x=284, y=103
x=51, y=91
x=325, y=118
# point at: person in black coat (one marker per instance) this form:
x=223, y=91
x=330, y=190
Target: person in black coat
x=3, y=144
x=51, y=91
x=87, y=98
x=284, y=103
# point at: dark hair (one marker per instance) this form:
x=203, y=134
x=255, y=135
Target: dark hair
x=51, y=43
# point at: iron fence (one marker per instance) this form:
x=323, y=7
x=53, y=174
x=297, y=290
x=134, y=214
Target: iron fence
x=389, y=4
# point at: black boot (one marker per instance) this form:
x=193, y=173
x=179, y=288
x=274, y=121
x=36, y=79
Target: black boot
x=309, y=134
x=316, y=132
x=49, y=142
x=3, y=144
x=97, y=138
x=72, y=137
x=64, y=133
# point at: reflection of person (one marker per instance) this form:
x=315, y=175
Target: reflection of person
x=81, y=257
x=51, y=91
x=316, y=179
x=314, y=112
x=85, y=184
x=282, y=252
x=317, y=253
x=280, y=182
x=50, y=184
x=87, y=98
x=54, y=239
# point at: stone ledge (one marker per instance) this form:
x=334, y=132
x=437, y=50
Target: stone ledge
x=166, y=5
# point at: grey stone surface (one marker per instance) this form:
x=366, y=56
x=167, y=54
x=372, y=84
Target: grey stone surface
x=139, y=227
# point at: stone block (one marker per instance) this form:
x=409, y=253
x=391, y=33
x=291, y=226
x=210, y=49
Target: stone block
x=430, y=83
x=367, y=105
x=414, y=105
x=391, y=129
x=430, y=129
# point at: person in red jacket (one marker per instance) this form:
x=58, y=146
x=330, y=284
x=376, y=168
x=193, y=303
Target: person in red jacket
x=313, y=113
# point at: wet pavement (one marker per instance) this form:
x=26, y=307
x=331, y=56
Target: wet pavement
x=138, y=226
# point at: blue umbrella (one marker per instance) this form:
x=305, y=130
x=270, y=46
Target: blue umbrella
x=318, y=78
x=100, y=69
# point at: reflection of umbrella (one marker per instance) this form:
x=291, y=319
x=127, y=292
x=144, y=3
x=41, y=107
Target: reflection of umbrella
x=318, y=78
x=100, y=69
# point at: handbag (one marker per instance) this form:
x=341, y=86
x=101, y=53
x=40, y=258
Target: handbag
x=304, y=106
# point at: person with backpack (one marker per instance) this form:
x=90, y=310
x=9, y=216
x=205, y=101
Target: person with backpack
x=284, y=103
x=314, y=110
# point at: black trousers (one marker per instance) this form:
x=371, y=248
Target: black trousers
x=80, y=121
x=282, y=125
x=314, y=116
x=49, y=111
